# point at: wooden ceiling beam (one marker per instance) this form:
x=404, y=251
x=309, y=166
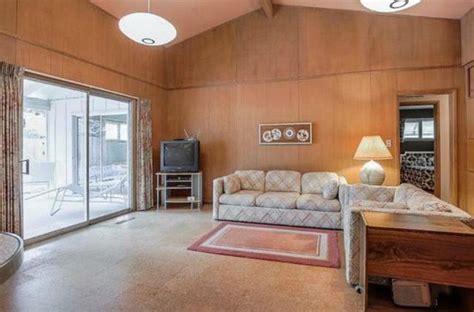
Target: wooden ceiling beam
x=267, y=6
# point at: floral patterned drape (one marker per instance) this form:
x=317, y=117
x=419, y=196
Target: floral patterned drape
x=144, y=156
x=10, y=171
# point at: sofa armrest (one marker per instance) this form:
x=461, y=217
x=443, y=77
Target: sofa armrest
x=217, y=191
x=352, y=223
x=344, y=193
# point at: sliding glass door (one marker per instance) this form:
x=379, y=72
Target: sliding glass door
x=76, y=156
x=52, y=197
x=109, y=152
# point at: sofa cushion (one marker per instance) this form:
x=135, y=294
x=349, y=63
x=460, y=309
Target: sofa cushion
x=414, y=197
x=370, y=192
x=252, y=180
x=437, y=206
x=283, y=200
x=231, y=184
x=317, y=202
x=240, y=198
x=417, y=199
x=330, y=189
x=313, y=182
x=283, y=181
x=376, y=204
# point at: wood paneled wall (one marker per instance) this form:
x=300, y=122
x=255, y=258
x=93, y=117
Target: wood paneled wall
x=467, y=31
x=341, y=70
x=75, y=40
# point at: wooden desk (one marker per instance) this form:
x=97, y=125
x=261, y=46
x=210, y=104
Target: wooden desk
x=430, y=249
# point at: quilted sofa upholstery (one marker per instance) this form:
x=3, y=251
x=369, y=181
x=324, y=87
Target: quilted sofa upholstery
x=404, y=199
x=280, y=197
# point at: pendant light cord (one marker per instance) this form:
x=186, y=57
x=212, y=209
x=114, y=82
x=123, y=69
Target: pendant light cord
x=148, y=6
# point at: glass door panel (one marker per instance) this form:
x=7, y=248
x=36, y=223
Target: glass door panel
x=109, y=155
x=53, y=195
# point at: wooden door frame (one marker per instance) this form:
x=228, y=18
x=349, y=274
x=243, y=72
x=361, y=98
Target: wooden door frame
x=453, y=134
x=436, y=150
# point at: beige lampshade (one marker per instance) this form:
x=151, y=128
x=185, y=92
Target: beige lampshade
x=372, y=148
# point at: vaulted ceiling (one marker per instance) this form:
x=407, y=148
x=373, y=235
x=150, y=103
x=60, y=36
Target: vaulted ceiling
x=192, y=17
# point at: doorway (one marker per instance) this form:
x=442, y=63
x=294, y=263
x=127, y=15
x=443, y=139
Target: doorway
x=427, y=151
x=76, y=156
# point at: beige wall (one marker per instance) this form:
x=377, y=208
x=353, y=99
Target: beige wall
x=340, y=70
x=467, y=30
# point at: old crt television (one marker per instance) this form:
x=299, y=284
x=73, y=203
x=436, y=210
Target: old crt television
x=179, y=156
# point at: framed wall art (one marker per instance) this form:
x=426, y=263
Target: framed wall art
x=285, y=133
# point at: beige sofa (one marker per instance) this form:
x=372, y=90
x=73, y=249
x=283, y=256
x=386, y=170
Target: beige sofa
x=404, y=199
x=279, y=197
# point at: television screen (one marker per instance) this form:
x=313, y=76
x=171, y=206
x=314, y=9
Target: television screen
x=179, y=154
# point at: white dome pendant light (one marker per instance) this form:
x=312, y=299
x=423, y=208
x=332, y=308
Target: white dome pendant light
x=147, y=28
x=388, y=6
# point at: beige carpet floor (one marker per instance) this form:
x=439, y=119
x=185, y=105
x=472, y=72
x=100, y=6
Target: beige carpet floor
x=143, y=265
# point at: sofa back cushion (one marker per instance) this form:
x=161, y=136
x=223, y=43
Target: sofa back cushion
x=417, y=199
x=370, y=204
x=231, y=184
x=371, y=192
x=252, y=180
x=313, y=182
x=412, y=196
x=283, y=181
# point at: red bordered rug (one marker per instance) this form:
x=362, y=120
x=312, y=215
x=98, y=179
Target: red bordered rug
x=269, y=242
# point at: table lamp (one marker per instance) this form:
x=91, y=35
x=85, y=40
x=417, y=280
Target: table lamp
x=372, y=148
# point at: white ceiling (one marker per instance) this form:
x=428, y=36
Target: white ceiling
x=44, y=91
x=192, y=17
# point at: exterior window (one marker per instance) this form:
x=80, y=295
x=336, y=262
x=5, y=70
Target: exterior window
x=123, y=132
x=419, y=129
x=412, y=130
x=111, y=131
x=428, y=129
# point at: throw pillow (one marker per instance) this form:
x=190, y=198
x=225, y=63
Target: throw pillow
x=330, y=189
x=231, y=184
x=377, y=204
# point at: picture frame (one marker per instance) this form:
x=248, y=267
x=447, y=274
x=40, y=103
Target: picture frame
x=294, y=133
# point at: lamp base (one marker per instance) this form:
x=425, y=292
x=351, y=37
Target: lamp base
x=372, y=173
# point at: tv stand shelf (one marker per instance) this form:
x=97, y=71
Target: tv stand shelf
x=179, y=188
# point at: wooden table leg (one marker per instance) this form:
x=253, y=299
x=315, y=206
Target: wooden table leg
x=363, y=283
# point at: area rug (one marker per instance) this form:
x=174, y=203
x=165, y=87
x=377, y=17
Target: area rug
x=267, y=242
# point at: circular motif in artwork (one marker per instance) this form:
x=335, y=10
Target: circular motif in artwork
x=289, y=133
x=267, y=136
x=276, y=134
x=302, y=135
